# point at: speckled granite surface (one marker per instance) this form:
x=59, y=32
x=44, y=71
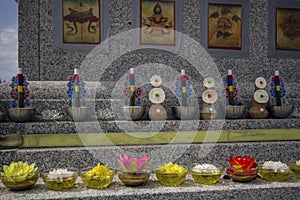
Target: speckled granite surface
x=69, y=127
x=218, y=153
x=42, y=62
x=225, y=189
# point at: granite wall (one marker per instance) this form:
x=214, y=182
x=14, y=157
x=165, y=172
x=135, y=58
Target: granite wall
x=43, y=63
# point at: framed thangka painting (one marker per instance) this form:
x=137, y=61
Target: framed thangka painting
x=284, y=29
x=157, y=22
x=224, y=27
x=80, y=25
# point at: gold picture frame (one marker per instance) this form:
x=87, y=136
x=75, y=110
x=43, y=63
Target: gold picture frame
x=288, y=29
x=224, y=26
x=81, y=22
x=157, y=22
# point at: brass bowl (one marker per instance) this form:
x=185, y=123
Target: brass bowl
x=240, y=175
x=60, y=183
x=170, y=179
x=2, y=115
x=281, y=111
x=96, y=182
x=206, y=177
x=185, y=112
x=20, y=114
x=208, y=116
x=235, y=112
x=275, y=176
x=296, y=170
x=78, y=113
x=133, y=112
x=18, y=182
x=134, y=178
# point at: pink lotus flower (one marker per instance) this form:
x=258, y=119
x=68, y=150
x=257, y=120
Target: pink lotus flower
x=129, y=164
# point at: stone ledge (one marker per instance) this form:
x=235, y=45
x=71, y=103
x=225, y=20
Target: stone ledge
x=68, y=127
x=225, y=189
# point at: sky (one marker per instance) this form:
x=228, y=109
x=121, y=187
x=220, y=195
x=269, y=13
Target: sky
x=8, y=39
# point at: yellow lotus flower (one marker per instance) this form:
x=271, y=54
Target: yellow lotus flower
x=18, y=171
x=100, y=171
x=171, y=168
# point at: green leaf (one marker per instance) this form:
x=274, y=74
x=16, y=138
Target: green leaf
x=226, y=34
x=219, y=34
x=236, y=18
x=225, y=11
x=214, y=15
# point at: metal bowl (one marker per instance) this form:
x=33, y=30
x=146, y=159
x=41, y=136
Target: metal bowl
x=2, y=115
x=185, y=112
x=20, y=114
x=78, y=113
x=208, y=116
x=235, y=112
x=133, y=112
x=281, y=111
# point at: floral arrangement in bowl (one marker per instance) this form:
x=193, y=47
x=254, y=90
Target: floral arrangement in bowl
x=60, y=179
x=19, y=175
x=243, y=169
x=295, y=167
x=206, y=174
x=274, y=171
x=133, y=170
x=171, y=174
x=98, y=177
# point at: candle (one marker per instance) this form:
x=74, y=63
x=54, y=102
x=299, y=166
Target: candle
x=76, y=87
x=132, y=87
x=183, y=88
x=20, y=88
x=277, y=88
x=230, y=88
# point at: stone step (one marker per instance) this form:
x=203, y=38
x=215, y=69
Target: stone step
x=121, y=126
x=152, y=190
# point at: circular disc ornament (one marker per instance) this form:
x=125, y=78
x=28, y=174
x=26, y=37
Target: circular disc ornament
x=261, y=96
x=260, y=83
x=209, y=82
x=155, y=81
x=157, y=95
x=209, y=96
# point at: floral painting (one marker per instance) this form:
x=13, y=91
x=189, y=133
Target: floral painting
x=157, y=22
x=225, y=26
x=81, y=21
x=287, y=29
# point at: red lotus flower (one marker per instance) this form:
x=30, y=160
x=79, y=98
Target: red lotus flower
x=243, y=163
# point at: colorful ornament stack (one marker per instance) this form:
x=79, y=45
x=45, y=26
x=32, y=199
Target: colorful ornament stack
x=76, y=90
x=209, y=97
x=260, y=99
x=20, y=111
x=20, y=92
x=230, y=89
x=234, y=109
x=184, y=109
x=131, y=93
x=279, y=107
x=157, y=97
x=132, y=109
x=76, y=93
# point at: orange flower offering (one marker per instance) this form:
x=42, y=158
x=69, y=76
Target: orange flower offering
x=244, y=162
x=243, y=169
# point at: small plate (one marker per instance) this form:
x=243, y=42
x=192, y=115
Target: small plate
x=210, y=96
x=261, y=96
x=157, y=95
x=156, y=81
